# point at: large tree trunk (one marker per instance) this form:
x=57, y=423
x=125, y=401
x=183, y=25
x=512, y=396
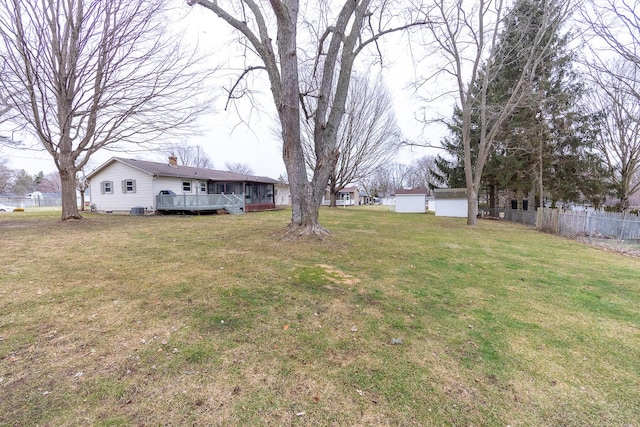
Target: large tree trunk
x=305, y=212
x=337, y=51
x=305, y=204
x=472, y=201
x=306, y=196
x=333, y=194
x=68, y=187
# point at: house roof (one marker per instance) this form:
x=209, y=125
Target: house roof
x=346, y=190
x=415, y=191
x=164, y=169
x=349, y=190
x=450, y=193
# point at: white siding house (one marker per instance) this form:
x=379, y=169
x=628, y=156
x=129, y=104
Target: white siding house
x=451, y=202
x=119, y=185
x=348, y=196
x=411, y=201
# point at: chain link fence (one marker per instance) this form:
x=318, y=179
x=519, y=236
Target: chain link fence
x=572, y=224
x=24, y=202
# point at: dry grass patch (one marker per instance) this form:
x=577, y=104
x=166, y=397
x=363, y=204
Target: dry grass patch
x=215, y=320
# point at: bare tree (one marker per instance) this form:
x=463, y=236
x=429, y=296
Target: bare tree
x=5, y=111
x=189, y=155
x=612, y=100
x=468, y=38
x=84, y=75
x=239, y=167
x=5, y=106
x=367, y=138
x=634, y=200
x=421, y=173
x=50, y=183
x=617, y=23
x=6, y=176
x=337, y=37
x=386, y=179
x=615, y=70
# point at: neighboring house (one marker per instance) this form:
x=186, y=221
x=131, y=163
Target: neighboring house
x=348, y=196
x=364, y=198
x=451, y=202
x=130, y=186
x=411, y=201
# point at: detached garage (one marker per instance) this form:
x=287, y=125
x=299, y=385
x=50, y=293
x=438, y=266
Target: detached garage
x=451, y=202
x=411, y=201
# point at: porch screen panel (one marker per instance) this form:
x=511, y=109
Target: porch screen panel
x=269, y=192
x=249, y=188
x=260, y=193
x=228, y=188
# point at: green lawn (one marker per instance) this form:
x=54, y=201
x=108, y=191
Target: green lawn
x=396, y=320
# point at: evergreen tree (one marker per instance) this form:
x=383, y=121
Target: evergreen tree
x=23, y=183
x=543, y=147
x=451, y=172
x=544, y=141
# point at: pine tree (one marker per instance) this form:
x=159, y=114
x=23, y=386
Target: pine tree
x=543, y=148
x=543, y=140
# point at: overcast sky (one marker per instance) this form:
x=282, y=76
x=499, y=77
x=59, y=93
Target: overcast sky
x=223, y=134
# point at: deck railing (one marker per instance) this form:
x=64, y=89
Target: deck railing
x=233, y=203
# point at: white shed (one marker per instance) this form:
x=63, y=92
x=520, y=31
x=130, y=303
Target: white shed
x=411, y=201
x=431, y=203
x=451, y=202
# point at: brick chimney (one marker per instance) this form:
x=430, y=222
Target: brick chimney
x=173, y=161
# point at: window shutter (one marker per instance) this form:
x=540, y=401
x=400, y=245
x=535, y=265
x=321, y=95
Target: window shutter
x=133, y=185
x=102, y=187
x=124, y=186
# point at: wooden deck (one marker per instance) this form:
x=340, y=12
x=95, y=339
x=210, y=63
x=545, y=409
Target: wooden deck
x=232, y=203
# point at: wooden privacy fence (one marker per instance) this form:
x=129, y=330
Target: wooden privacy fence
x=596, y=224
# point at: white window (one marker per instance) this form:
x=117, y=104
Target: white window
x=129, y=186
x=203, y=187
x=106, y=187
x=186, y=186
